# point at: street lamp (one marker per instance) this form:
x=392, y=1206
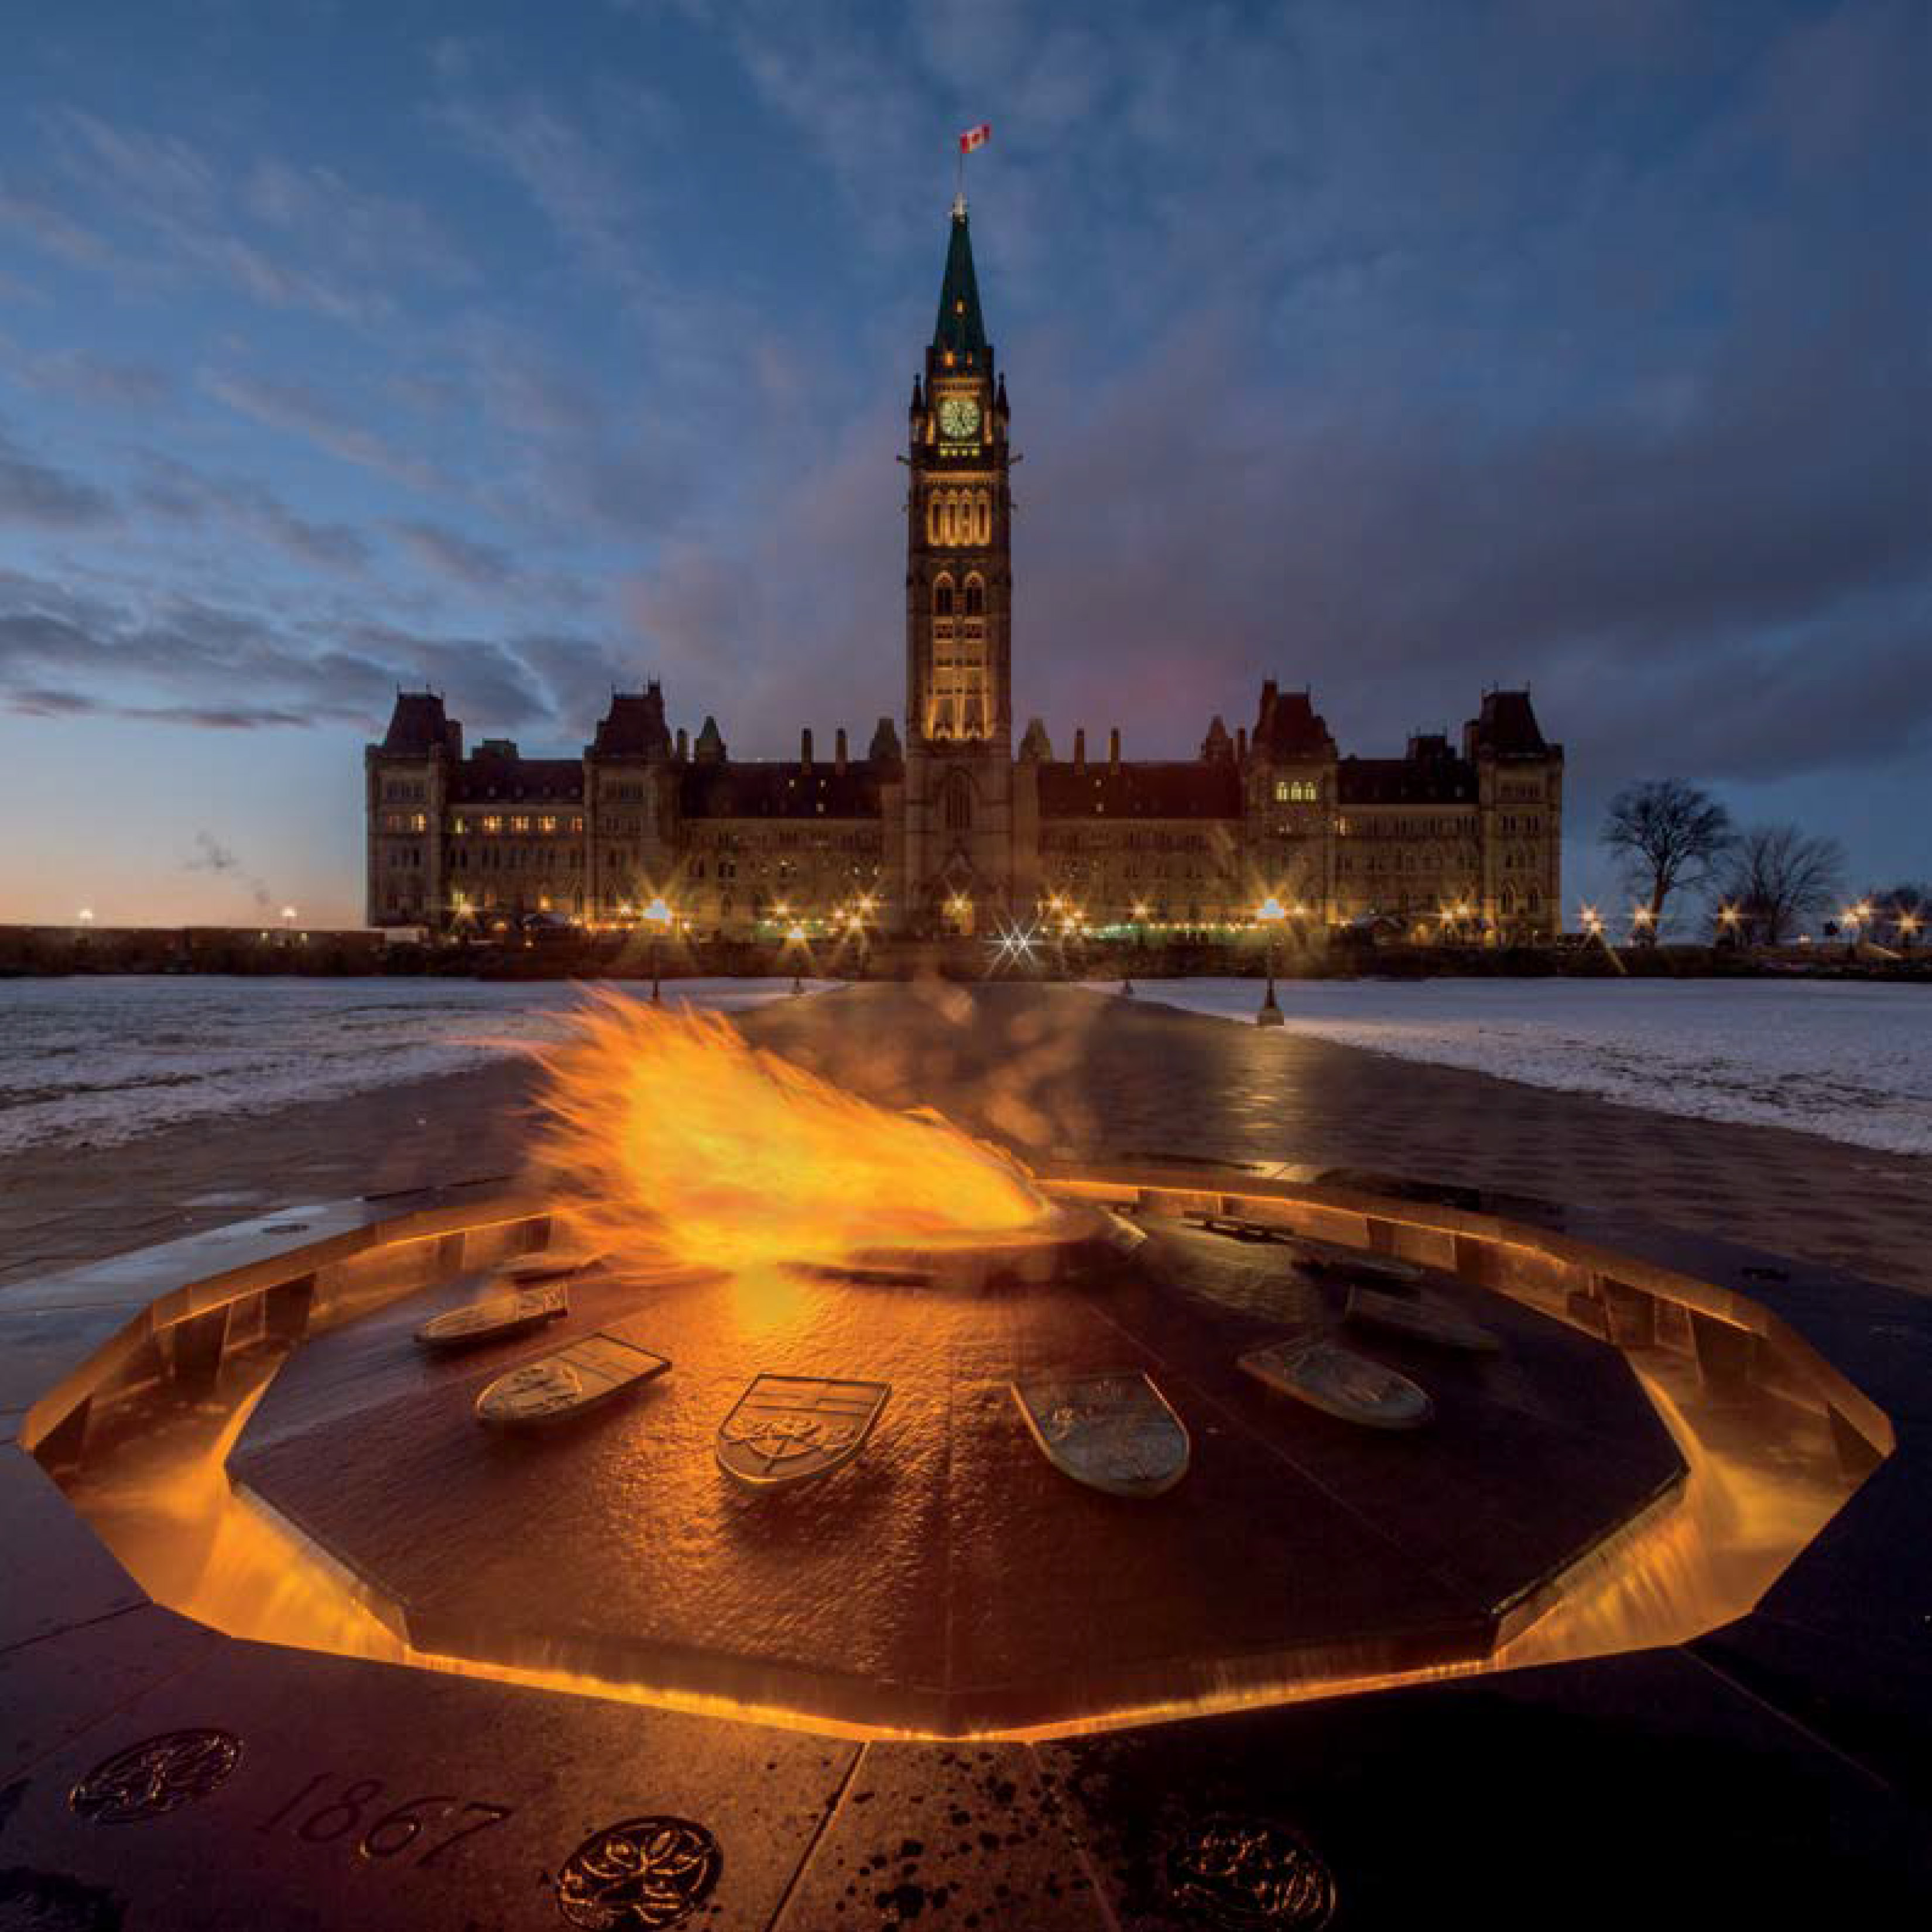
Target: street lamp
x=794, y=940
x=1270, y=913
x=659, y=915
x=1643, y=920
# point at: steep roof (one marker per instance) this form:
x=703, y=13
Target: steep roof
x=633, y=726
x=1179, y=788
x=418, y=724
x=1288, y=726
x=960, y=327
x=778, y=788
x=1507, y=726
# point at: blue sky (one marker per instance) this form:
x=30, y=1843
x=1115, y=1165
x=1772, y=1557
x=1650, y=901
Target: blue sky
x=1398, y=350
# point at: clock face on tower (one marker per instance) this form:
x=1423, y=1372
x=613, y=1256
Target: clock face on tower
x=959, y=418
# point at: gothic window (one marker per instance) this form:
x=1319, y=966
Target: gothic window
x=942, y=597
x=958, y=801
x=976, y=597
x=983, y=517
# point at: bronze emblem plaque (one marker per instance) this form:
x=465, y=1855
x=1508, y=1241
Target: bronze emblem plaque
x=495, y=1318
x=786, y=1428
x=1240, y=1873
x=577, y=1377
x=1340, y=1383
x=646, y=1873
x=156, y=1776
x=1113, y=1432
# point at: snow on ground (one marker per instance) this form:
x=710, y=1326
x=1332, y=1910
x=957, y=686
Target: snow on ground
x=1848, y=1059
x=98, y=1061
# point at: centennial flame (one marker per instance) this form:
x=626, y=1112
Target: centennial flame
x=671, y=1130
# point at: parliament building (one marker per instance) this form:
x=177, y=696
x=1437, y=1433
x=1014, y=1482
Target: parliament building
x=948, y=829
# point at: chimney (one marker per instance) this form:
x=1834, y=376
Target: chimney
x=683, y=745
x=1080, y=749
x=1113, y=749
x=804, y=747
x=1241, y=744
x=838, y=751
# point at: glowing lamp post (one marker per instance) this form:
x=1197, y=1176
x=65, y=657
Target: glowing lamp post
x=1643, y=923
x=659, y=916
x=1908, y=924
x=1727, y=924
x=794, y=942
x=1270, y=913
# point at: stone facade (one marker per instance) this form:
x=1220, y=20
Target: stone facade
x=952, y=830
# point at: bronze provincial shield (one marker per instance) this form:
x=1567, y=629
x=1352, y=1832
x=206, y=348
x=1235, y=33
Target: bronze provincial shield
x=784, y=1429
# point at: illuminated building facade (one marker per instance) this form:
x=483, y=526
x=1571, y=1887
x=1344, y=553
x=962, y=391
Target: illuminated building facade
x=951, y=830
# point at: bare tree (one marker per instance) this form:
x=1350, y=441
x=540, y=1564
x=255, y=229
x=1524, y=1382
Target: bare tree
x=1777, y=877
x=1670, y=834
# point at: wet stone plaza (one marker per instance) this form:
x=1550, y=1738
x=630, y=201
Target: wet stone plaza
x=1289, y=1540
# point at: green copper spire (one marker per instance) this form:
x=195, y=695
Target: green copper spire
x=960, y=329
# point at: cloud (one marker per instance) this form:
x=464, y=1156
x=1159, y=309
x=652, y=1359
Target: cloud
x=113, y=383
x=289, y=236
x=38, y=496
x=293, y=406
x=53, y=231
x=580, y=188
x=181, y=659
x=172, y=489
x=482, y=566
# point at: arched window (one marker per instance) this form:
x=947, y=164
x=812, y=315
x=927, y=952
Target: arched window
x=976, y=597
x=932, y=518
x=983, y=517
x=958, y=801
x=942, y=597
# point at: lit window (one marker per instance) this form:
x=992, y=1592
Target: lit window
x=547, y=825
x=492, y=823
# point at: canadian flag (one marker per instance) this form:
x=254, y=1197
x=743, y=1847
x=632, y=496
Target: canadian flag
x=975, y=137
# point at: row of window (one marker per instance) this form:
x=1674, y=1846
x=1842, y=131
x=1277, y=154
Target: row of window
x=957, y=516
x=945, y=600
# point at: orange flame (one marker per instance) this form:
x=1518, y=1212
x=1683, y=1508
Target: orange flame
x=670, y=1127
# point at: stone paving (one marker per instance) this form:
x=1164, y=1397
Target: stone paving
x=1049, y=1070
